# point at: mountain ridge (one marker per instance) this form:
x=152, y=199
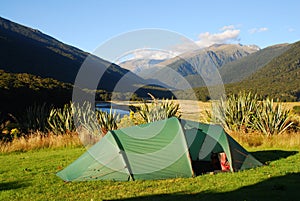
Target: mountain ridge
x=197, y=65
x=27, y=50
x=241, y=69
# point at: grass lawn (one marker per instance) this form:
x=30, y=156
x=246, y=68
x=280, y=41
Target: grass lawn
x=31, y=176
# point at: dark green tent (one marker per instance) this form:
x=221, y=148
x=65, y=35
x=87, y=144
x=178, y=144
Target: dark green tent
x=164, y=149
x=205, y=139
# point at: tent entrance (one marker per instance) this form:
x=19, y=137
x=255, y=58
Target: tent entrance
x=202, y=167
x=218, y=162
x=207, y=154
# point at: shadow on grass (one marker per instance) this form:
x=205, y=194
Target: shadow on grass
x=276, y=188
x=272, y=155
x=12, y=185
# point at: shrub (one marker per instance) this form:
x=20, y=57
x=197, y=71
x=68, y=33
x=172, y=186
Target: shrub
x=158, y=110
x=271, y=119
x=107, y=120
x=9, y=127
x=35, y=118
x=244, y=111
x=60, y=120
x=236, y=112
x=95, y=122
x=134, y=118
x=85, y=117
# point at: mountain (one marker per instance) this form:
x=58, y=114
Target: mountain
x=193, y=67
x=279, y=78
x=242, y=68
x=36, y=68
x=27, y=50
x=275, y=74
x=138, y=65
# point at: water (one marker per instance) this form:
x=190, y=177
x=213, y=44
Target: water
x=104, y=107
x=118, y=111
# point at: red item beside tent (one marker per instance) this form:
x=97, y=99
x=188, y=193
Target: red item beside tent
x=224, y=162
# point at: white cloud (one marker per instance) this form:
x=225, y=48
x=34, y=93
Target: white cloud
x=145, y=53
x=152, y=54
x=228, y=27
x=257, y=30
x=291, y=29
x=228, y=35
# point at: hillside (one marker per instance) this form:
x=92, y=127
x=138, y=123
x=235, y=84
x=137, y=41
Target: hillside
x=36, y=68
x=280, y=78
x=27, y=50
x=20, y=90
x=242, y=68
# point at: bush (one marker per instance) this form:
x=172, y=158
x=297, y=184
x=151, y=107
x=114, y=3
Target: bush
x=35, y=118
x=158, y=110
x=270, y=119
x=85, y=117
x=107, y=121
x=244, y=111
x=95, y=122
x=9, y=127
x=236, y=112
x=60, y=120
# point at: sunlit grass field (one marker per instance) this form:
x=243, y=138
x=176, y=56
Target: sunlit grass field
x=31, y=176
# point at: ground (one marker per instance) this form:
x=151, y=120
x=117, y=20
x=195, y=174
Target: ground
x=31, y=176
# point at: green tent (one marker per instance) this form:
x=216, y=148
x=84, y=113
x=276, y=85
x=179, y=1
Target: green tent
x=164, y=149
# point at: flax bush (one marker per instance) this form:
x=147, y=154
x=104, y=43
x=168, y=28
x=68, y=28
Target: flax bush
x=271, y=119
x=60, y=120
x=245, y=111
x=94, y=121
x=85, y=117
x=107, y=120
x=35, y=118
x=158, y=110
x=236, y=112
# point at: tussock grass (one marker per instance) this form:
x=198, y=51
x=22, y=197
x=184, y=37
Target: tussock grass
x=259, y=140
x=39, y=140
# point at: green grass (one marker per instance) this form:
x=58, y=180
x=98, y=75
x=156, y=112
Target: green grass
x=31, y=176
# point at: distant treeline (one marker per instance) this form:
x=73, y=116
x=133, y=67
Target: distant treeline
x=21, y=90
x=18, y=91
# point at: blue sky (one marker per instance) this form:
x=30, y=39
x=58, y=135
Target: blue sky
x=87, y=24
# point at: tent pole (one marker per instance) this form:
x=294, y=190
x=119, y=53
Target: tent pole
x=122, y=151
